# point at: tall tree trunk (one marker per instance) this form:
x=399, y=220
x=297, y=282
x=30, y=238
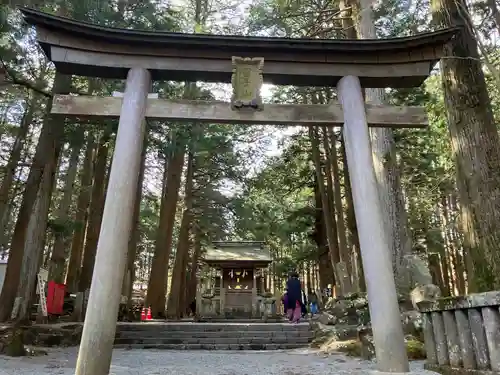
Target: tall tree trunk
x=12, y=163
x=388, y=175
x=17, y=190
x=7, y=228
x=308, y=278
x=434, y=260
x=331, y=152
x=457, y=270
x=357, y=264
x=341, y=266
x=193, y=272
x=59, y=252
x=182, y=305
x=81, y=217
x=475, y=144
x=50, y=139
x=347, y=20
x=331, y=227
x=442, y=249
x=174, y=306
x=96, y=210
x=35, y=237
x=447, y=259
x=462, y=286
x=434, y=240
x=325, y=266
x=129, y=276
x=157, y=285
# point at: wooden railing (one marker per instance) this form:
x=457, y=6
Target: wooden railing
x=462, y=334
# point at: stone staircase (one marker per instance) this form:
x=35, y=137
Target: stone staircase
x=212, y=336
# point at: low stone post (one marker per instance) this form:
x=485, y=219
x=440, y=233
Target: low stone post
x=222, y=301
x=491, y=321
x=222, y=293
x=254, y=294
x=479, y=339
x=199, y=285
x=263, y=282
x=94, y=357
x=465, y=339
x=390, y=348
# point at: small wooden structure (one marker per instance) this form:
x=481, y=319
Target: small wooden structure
x=237, y=287
x=143, y=56
x=462, y=334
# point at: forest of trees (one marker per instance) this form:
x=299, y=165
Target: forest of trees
x=439, y=187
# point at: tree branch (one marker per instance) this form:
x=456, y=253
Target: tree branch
x=11, y=76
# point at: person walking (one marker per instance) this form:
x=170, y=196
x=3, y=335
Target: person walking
x=313, y=301
x=294, y=297
x=303, y=302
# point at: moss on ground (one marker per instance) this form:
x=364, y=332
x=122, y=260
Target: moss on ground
x=15, y=346
x=415, y=349
x=354, y=348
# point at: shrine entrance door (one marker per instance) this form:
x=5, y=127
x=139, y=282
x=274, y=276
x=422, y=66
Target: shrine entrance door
x=238, y=286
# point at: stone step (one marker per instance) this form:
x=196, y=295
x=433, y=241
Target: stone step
x=212, y=336
x=215, y=340
x=218, y=334
x=239, y=320
x=211, y=327
x=210, y=346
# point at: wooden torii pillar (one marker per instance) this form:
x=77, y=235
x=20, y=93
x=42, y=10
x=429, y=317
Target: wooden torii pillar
x=105, y=292
x=385, y=316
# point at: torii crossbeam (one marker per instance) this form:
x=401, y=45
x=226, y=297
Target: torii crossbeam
x=220, y=112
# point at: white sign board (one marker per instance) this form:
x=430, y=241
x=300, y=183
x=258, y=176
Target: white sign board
x=43, y=276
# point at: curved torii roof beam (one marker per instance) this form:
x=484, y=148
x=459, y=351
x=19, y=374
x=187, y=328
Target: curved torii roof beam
x=85, y=49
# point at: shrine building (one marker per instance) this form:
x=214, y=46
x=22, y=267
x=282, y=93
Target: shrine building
x=233, y=282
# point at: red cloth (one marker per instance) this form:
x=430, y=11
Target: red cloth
x=55, y=298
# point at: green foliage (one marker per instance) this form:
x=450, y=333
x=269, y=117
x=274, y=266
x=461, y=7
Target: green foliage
x=277, y=206
x=62, y=227
x=427, y=171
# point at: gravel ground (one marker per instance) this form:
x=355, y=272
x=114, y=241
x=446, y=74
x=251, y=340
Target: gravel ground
x=156, y=362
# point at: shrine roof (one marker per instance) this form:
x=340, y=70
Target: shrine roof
x=209, y=41
x=86, y=49
x=237, y=251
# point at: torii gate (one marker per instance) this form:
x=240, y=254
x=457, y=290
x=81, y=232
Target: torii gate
x=140, y=57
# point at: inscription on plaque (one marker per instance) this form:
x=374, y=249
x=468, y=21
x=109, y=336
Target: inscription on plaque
x=247, y=82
